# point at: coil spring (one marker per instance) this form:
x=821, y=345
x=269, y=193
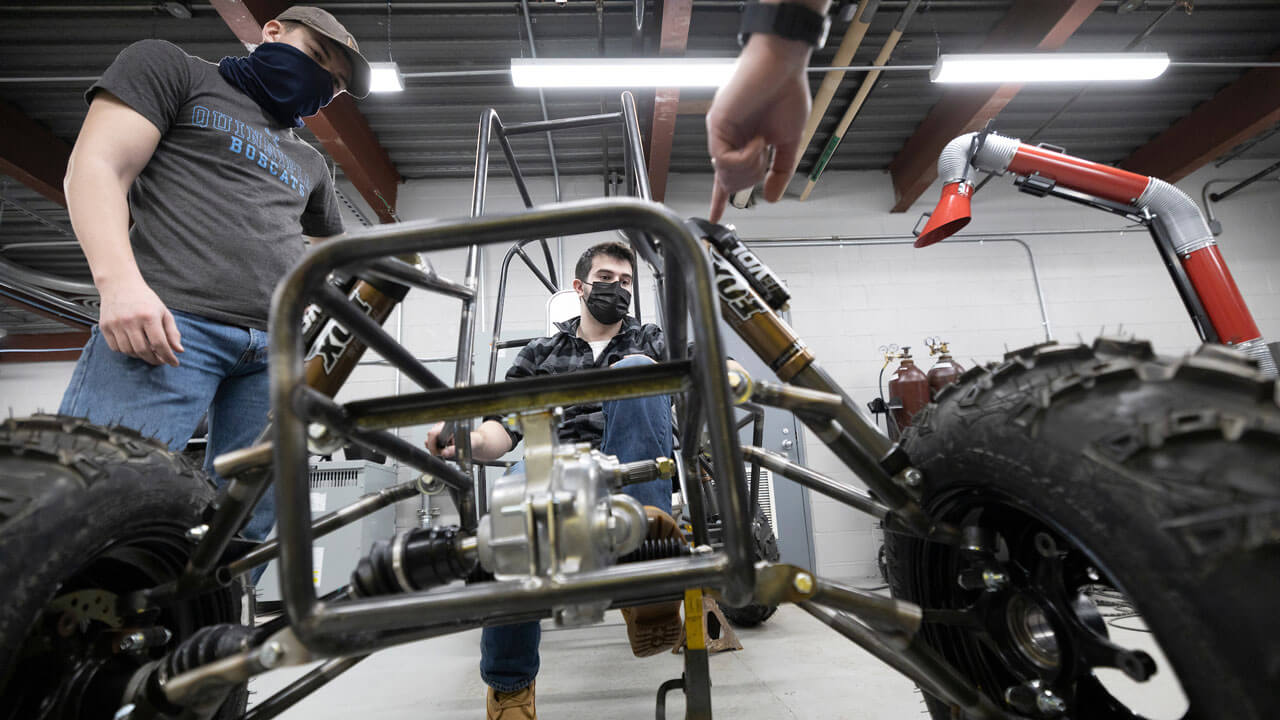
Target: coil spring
x=658, y=549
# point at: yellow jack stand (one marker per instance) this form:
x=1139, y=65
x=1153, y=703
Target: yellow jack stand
x=727, y=640
x=696, y=679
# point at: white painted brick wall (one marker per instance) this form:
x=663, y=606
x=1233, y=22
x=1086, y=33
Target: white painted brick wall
x=849, y=301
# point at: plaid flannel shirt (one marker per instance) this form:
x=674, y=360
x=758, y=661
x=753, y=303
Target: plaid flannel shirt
x=566, y=352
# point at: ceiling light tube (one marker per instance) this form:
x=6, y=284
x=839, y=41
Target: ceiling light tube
x=385, y=77
x=637, y=73
x=1048, y=67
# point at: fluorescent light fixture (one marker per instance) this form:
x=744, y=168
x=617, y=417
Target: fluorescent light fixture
x=1048, y=67
x=385, y=77
x=643, y=72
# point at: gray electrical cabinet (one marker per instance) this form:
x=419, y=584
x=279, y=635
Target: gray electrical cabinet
x=335, y=485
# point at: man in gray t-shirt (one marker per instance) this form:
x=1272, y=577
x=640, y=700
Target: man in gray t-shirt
x=220, y=190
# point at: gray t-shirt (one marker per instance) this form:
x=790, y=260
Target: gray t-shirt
x=220, y=209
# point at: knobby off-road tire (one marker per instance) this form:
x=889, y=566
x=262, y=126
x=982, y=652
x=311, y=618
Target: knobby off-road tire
x=1161, y=476
x=766, y=548
x=89, y=508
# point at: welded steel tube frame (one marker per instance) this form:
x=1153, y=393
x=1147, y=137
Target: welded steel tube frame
x=329, y=629
x=490, y=126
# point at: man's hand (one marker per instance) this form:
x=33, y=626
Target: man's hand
x=449, y=450
x=756, y=121
x=135, y=322
x=488, y=442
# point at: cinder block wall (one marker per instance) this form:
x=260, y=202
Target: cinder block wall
x=849, y=301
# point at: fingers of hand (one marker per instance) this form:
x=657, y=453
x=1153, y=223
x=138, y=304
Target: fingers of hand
x=141, y=346
x=781, y=169
x=719, y=198
x=171, y=332
x=432, y=434
x=743, y=167
x=158, y=342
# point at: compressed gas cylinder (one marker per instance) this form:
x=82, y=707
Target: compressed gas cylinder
x=908, y=393
x=944, y=371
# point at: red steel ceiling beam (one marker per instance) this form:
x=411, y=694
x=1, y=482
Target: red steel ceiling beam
x=676, y=15
x=31, y=154
x=1239, y=111
x=1029, y=25
x=341, y=128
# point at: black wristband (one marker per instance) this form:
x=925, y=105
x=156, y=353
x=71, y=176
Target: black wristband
x=790, y=21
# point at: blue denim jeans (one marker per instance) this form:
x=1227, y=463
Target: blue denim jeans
x=223, y=373
x=634, y=429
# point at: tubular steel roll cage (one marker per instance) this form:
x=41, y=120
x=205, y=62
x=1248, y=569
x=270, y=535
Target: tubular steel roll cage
x=346, y=629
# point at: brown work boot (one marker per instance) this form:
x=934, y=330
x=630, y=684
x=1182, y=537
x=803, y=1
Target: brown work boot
x=655, y=628
x=516, y=705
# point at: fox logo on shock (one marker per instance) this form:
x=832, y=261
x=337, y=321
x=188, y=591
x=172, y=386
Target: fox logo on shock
x=733, y=290
x=334, y=339
x=757, y=269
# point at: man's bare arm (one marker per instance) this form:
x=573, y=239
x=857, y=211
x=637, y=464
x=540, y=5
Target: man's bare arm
x=488, y=442
x=114, y=145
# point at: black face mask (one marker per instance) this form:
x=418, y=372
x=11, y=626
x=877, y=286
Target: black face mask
x=608, y=302
x=282, y=79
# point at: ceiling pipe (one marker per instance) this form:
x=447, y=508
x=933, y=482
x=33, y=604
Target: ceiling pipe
x=873, y=240
x=1208, y=200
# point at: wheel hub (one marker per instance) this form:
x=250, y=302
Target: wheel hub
x=1033, y=635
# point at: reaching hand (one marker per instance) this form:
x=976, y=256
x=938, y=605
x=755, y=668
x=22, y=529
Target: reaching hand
x=756, y=121
x=433, y=440
x=134, y=321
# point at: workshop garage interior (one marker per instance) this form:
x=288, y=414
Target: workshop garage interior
x=750, y=359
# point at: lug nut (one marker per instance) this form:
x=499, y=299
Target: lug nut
x=666, y=467
x=132, y=641
x=994, y=580
x=1049, y=704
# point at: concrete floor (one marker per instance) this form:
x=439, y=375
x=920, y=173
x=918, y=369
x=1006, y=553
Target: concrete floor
x=791, y=667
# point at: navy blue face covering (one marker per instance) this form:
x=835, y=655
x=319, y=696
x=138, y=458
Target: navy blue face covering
x=282, y=79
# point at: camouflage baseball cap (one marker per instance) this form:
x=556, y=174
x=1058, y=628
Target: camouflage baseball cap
x=328, y=26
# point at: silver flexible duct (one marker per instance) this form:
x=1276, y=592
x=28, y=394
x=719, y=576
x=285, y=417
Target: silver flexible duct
x=1178, y=215
x=994, y=156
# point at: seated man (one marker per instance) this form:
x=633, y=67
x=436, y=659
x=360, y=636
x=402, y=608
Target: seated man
x=633, y=429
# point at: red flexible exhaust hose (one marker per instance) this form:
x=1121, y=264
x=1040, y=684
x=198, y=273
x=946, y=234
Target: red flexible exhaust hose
x=1220, y=296
x=1175, y=216
x=1093, y=178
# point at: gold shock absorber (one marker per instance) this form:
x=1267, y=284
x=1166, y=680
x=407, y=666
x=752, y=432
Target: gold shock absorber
x=334, y=355
x=757, y=324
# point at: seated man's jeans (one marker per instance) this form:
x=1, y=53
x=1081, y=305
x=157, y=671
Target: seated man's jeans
x=223, y=372
x=634, y=429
